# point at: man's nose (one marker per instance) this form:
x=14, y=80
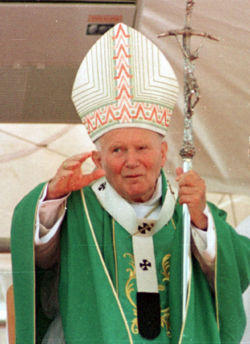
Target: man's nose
x=131, y=159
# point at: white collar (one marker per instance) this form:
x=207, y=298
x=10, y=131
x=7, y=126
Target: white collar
x=123, y=212
x=141, y=230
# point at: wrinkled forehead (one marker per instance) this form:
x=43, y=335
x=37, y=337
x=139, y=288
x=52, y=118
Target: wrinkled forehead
x=128, y=136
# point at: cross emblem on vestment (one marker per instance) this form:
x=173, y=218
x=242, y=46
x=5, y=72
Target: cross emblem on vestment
x=102, y=186
x=145, y=265
x=144, y=227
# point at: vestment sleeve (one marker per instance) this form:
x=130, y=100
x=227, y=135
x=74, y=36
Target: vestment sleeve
x=49, y=218
x=203, y=245
x=205, y=241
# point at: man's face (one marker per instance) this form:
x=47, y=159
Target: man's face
x=132, y=159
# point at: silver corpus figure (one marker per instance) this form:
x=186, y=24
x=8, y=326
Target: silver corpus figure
x=187, y=151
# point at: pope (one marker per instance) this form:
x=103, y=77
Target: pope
x=97, y=257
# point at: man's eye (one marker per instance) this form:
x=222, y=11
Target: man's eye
x=142, y=147
x=116, y=150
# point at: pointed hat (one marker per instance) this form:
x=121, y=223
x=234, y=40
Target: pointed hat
x=124, y=81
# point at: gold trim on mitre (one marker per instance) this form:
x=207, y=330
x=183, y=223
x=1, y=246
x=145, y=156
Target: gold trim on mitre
x=124, y=81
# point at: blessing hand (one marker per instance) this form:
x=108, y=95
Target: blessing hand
x=192, y=191
x=69, y=177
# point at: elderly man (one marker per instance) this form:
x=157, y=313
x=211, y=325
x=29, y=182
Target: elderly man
x=108, y=244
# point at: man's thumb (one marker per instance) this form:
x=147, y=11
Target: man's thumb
x=179, y=171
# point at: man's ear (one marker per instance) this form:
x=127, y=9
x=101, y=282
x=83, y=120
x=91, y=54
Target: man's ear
x=96, y=157
x=164, y=149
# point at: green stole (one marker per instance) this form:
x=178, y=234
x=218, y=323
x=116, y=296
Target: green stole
x=90, y=308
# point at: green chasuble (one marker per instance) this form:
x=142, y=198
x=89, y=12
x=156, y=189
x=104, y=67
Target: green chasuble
x=97, y=287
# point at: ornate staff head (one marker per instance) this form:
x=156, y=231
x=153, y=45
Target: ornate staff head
x=191, y=88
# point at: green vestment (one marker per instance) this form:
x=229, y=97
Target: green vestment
x=97, y=285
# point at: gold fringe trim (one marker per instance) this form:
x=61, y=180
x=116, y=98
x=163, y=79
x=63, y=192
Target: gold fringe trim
x=115, y=258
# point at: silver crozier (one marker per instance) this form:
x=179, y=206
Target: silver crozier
x=187, y=151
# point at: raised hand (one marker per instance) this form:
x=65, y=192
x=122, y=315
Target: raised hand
x=69, y=177
x=192, y=191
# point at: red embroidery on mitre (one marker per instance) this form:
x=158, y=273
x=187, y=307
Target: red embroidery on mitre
x=120, y=32
x=122, y=68
x=141, y=112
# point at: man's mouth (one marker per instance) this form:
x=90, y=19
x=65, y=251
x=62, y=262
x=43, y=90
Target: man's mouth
x=131, y=176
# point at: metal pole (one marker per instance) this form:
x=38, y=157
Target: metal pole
x=187, y=152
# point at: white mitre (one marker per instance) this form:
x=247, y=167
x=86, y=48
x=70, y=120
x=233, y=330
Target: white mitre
x=124, y=81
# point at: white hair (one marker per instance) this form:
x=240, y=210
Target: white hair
x=98, y=144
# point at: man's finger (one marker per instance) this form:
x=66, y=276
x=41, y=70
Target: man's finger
x=190, y=178
x=96, y=174
x=71, y=165
x=188, y=182
x=183, y=200
x=82, y=157
x=179, y=171
x=76, y=160
x=187, y=190
x=90, y=177
x=63, y=174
